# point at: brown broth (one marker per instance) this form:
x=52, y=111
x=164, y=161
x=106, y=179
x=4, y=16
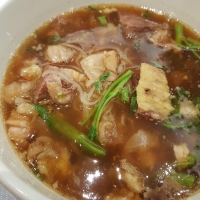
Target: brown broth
x=97, y=177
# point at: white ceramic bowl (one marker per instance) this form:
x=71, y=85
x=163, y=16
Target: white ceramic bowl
x=18, y=18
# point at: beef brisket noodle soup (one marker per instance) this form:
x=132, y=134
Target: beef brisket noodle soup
x=103, y=103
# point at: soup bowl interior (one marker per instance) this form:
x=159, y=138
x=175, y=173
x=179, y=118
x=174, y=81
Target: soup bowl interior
x=17, y=20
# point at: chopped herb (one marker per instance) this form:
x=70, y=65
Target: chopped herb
x=56, y=38
x=103, y=20
x=29, y=49
x=97, y=86
x=178, y=33
x=58, y=124
x=193, y=42
x=136, y=45
x=187, y=93
x=184, y=179
x=189, y=47
x=125, y=94
x=104, y=76
x=186, y=43
x=36, y=173
x=133, y=105
x=190, y=162
x=196, y=124
x=168, y=171
x=90, y=115
x=176, y=104
x=175, y=126
x=197, y=127
x=196, y=101
x=180, y=96
x=181, y=93
x=146, y=14
x=60, y=95
x=92, y=8
x=197, y=146
x=157, y=65
x=110, y=93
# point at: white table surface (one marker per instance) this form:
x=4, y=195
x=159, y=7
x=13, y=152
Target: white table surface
x=5, y=195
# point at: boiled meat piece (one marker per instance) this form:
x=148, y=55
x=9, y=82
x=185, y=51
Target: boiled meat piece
x=59, y=54
x=97, y=64
x=132, y=24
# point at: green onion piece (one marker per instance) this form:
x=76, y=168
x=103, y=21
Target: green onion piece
x=191, y=161
x=191, y=47
x=196, y=124
x=104, y=76
x=29, y=49
x=184, y=179
x=92, y=8
x=188, y=41
x=193, y=51
x=196, y=54
x=56, y=38
x=44, y=114
x=133, y=105
x=112, y=95
x=197, y=128
x=178, y=33
x=176, y=104
x=181, y=93
x=97, y=86
x=60, y=95
x=58, y=124
x=125, y=94
x=157, y=65
x=146, y=14
x=103, y=20
x=89, y=116
x=193, y=42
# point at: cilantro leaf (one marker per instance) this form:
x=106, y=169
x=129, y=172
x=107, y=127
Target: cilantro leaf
x=56, y=38
x=103, y=20
x=104, y=76
x=97, y=85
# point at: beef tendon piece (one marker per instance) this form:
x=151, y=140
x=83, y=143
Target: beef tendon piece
x=153, y=96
